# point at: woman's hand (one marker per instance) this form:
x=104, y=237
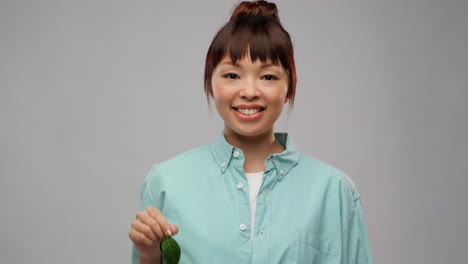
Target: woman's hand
x=148, y=229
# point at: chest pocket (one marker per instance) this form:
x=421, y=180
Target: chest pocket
x=308, y=248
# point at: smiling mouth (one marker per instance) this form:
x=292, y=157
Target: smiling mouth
x=249, y=111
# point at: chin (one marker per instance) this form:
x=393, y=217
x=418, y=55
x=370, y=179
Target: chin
x=254, y=132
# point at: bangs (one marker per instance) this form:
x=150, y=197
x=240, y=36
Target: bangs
x=256, y=37
x=251, y=37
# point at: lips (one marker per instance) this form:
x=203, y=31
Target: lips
x=248, y=112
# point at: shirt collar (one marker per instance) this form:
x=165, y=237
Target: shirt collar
x=283, y=162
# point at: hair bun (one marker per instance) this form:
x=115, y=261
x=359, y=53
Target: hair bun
x=256, y=8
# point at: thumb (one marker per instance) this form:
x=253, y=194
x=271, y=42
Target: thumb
x=174, y=229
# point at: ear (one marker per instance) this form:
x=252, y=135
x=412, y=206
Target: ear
x=288, y=96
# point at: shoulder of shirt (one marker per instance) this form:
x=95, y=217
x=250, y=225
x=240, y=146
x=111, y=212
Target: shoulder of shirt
x=184, y=156
x=175, y=162
x=328, y=170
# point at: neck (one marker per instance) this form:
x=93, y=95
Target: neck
x=255, y=148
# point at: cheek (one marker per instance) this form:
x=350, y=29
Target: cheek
x=217, y=89
x=217, y=96
x=220, y=99
x=277, y=96
x=221, y=93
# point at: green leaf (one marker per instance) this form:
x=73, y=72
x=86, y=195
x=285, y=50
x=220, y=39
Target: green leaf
x=170, y=250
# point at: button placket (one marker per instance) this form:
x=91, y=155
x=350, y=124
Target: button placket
x=242, y=196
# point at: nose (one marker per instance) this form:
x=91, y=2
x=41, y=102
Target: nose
x=249, y=90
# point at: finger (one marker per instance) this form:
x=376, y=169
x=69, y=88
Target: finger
x=161, y=220
x=144, y=229
x=174, y=229
x=140, y=238
x=151, y=222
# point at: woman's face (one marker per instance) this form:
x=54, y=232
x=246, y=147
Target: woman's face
x=249, y=96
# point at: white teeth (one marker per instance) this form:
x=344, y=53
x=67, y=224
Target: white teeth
x=248, y=111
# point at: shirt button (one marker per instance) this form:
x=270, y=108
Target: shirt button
x=236, y=154
x=242, y=227
x=281, y=172
x=223, y=165
x=240, y=185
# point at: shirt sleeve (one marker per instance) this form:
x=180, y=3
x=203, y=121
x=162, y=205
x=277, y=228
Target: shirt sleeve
x=146, y=199
x=355, y=243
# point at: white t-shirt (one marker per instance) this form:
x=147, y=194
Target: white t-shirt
x=255, y=181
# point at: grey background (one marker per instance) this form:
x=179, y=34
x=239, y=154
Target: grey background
x=95, y=92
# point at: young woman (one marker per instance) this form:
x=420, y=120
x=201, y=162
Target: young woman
x=250, y=196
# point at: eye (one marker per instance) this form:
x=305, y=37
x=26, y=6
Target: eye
x=269, y=77
x=231, y=76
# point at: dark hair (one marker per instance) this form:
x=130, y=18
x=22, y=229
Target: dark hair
x=254, y=27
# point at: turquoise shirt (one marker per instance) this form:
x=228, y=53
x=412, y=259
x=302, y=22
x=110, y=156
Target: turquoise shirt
x=307, y=211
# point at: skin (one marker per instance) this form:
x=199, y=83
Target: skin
x=147, y=230
x=247, y=84
x=244, y=84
